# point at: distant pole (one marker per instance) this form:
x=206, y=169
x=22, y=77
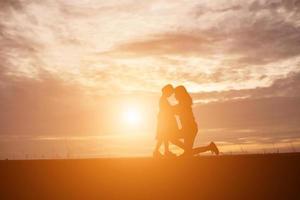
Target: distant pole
x=292, y=147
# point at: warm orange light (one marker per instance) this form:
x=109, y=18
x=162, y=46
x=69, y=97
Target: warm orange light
x=132, y=116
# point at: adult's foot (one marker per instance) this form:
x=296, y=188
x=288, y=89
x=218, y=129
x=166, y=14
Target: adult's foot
x=214, y=148
x=186, y=155
x=169, y=154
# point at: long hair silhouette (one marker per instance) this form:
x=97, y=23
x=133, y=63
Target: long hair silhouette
x=183, y=96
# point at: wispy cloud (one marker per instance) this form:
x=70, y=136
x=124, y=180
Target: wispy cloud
x=202, y=44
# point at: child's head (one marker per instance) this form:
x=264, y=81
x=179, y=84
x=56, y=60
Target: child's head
x=167, y=90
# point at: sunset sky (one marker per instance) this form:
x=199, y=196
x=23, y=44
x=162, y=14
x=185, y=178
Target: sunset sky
x=72, y=71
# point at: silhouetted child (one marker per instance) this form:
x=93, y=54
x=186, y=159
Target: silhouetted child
x=166, y=122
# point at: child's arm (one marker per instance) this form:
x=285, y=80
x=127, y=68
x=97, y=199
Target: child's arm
x=165, y=105
x=174, y=109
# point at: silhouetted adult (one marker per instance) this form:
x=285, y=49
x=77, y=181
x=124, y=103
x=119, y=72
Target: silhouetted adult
x=189, y=126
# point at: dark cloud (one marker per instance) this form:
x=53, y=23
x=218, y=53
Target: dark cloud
x=265, y=41
x=253, y=6
x=43, y=106
x=288, y=86
x=15, y=4
x=267, y=117
x=271, y=108
x=172, y=43
x=261, y=34
x=271, y=112
x=289, y=5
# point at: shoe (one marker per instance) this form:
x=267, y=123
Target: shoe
x=157, y=154
x=214, y=148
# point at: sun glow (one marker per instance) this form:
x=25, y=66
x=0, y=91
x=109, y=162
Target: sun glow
x=132, y=116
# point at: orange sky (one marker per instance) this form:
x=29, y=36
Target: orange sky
x=71, y=69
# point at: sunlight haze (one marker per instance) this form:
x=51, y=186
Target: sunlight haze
x=84, y=77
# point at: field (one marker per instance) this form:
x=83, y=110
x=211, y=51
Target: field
x=269, y=176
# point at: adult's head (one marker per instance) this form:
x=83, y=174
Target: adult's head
x=167, y=90
x=183, y=96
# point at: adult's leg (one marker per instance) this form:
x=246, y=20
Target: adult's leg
x=158, y=144
x=178, y=143
x=198, y=150
x=188, y=142
x=187, y=145
x=211, y=147
x=175, y=138
x=203, y=149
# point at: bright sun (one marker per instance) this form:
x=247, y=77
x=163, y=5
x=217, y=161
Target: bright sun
x=132, y=116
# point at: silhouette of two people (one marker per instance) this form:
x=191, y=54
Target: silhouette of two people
x=168, y=129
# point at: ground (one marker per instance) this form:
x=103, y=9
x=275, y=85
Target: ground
x=269, y=176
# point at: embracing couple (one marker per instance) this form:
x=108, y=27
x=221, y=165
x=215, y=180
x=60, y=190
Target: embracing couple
x=168, y=129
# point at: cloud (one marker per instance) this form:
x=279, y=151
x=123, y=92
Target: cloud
x=227, y=52
x=265, y=33
x=292, y=5
x=49, y=105
x=209, y=49
x=167, y=44
x=287, y=86
x=16, y=4
x=69, y=52
x=44, y=106
x=270, y=115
